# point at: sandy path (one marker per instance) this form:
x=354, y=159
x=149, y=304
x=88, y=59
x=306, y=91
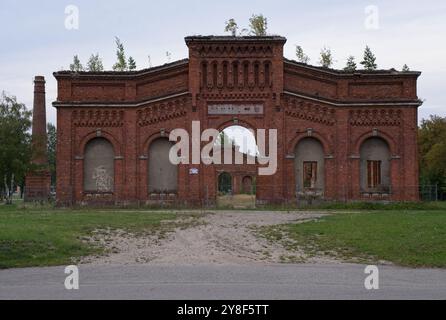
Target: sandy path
x=220, y=237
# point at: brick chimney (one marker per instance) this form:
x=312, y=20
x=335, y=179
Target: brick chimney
x=37, y=186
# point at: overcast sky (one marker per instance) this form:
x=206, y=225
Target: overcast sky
x=34, y=40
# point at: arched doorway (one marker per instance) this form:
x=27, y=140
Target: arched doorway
x=309, y=168
x=237, y=151
x=163, y=175
x=247, y=185
x=224, y=183
x=375, y=166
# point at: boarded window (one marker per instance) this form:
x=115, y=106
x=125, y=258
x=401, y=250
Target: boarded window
x=99, y=170
x=373, y=173
x=163, y=175
x=375, y=165
x=309, y=165
x=310, y=174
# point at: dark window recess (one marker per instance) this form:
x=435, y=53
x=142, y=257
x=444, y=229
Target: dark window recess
x=373, y=173
x=310, y=174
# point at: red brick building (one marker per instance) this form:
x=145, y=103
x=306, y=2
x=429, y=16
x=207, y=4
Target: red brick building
x=341, y=135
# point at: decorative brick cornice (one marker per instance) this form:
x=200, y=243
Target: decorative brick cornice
x=368, y=104
x=309, y=111
x=375, y=117
x=235, y=95
x=98, y=118
x=163, y=111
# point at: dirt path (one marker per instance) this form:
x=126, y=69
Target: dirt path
x=219, y=237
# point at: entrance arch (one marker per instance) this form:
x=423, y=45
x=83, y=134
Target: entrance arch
x=242, y=138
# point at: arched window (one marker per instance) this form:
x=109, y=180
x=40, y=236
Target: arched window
x=375, y=165
x=215, y=74
x=204, y=75
x=99, y=169
x=309, y=165
x=267, y=74
x=235, y=73
x=224, y=183
x=162, y=177
x=246, y=74
x=225, y=73
x=256, y=74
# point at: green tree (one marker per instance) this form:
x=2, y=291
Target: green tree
x=326, y=59
x=15, y=144
x=95, y=63
x=121, y=63
x=132, y=63
x=301, y=56
x=51, y=150
x=76, y=65
x=232, y=27
x=369, y=61
x=432, y=151
x=405, y=68
x=351, y=64
x=258, y=24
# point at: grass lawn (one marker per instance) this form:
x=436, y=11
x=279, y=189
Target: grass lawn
x=237, y=201
x=43, y=237
x=415, y=238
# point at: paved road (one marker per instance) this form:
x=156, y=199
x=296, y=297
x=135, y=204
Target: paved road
x=281, y=281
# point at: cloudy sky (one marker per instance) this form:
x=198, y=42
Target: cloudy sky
x=35, y=41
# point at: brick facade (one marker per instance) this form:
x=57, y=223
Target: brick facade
x=339, y=109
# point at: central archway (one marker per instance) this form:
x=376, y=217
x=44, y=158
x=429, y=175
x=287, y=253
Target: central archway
x=241, y=138
x=238, y=151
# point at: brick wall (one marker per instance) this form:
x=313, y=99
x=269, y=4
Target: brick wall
x=341, y=110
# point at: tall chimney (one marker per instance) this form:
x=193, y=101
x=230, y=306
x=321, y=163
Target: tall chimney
x=38, y=181
x=39, y=137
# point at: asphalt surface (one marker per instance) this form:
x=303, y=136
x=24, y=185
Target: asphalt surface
x=256, y=282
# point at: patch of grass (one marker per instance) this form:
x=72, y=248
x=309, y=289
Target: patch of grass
x=438, y=205
x=406, y=238
x=382, y=206
x=46, y=236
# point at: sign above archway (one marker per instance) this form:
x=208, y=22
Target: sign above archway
x=231, y=108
